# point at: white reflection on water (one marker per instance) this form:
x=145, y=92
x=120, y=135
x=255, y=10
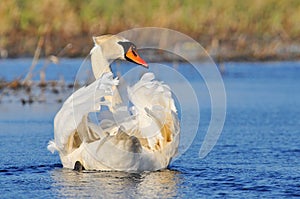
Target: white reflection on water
x=72, y=184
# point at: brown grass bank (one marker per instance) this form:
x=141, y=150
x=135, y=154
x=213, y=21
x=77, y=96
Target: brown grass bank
x=231, y=29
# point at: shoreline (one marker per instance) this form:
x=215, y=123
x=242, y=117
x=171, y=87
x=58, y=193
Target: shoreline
x=216, y=58
x=222, y=53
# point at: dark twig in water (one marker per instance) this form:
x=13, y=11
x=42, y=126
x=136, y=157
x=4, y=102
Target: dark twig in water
x=36, y=56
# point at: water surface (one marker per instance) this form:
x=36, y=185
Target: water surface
x=257, y=155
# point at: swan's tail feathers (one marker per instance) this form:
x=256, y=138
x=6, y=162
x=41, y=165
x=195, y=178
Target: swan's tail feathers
x=52, y=147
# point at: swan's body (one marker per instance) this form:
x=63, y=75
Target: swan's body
x=145, y=140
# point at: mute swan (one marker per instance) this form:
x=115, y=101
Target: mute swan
x=146, y=140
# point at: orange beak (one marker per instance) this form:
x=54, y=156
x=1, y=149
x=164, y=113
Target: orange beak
x=133, y=56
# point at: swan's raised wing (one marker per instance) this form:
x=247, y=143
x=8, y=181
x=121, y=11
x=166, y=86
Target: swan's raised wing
x=74, y=111
x=155, y=112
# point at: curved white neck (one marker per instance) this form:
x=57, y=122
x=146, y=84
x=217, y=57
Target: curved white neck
x=100, y=64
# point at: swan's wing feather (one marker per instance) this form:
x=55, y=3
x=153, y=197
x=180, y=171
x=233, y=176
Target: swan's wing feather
x=154, y=108
x=79, y=104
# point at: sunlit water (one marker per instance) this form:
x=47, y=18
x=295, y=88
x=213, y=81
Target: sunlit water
x=257, y=155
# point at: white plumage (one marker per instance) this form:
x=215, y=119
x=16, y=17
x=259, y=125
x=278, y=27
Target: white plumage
x=145, y=140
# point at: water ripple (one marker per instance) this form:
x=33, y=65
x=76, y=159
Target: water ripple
x=30, y=169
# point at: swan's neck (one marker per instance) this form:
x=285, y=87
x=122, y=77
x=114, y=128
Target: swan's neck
x=100, y=64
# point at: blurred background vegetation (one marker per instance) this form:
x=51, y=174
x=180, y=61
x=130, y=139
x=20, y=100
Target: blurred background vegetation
x=258, y=29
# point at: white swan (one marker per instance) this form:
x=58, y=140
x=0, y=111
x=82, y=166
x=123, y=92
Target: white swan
x=145, y=140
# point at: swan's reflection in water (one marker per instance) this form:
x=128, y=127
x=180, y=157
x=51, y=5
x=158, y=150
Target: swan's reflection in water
x=71, y=184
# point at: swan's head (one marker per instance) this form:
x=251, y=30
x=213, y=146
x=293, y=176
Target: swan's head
x=116, y=47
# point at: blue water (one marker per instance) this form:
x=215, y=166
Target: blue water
x=257, y=155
